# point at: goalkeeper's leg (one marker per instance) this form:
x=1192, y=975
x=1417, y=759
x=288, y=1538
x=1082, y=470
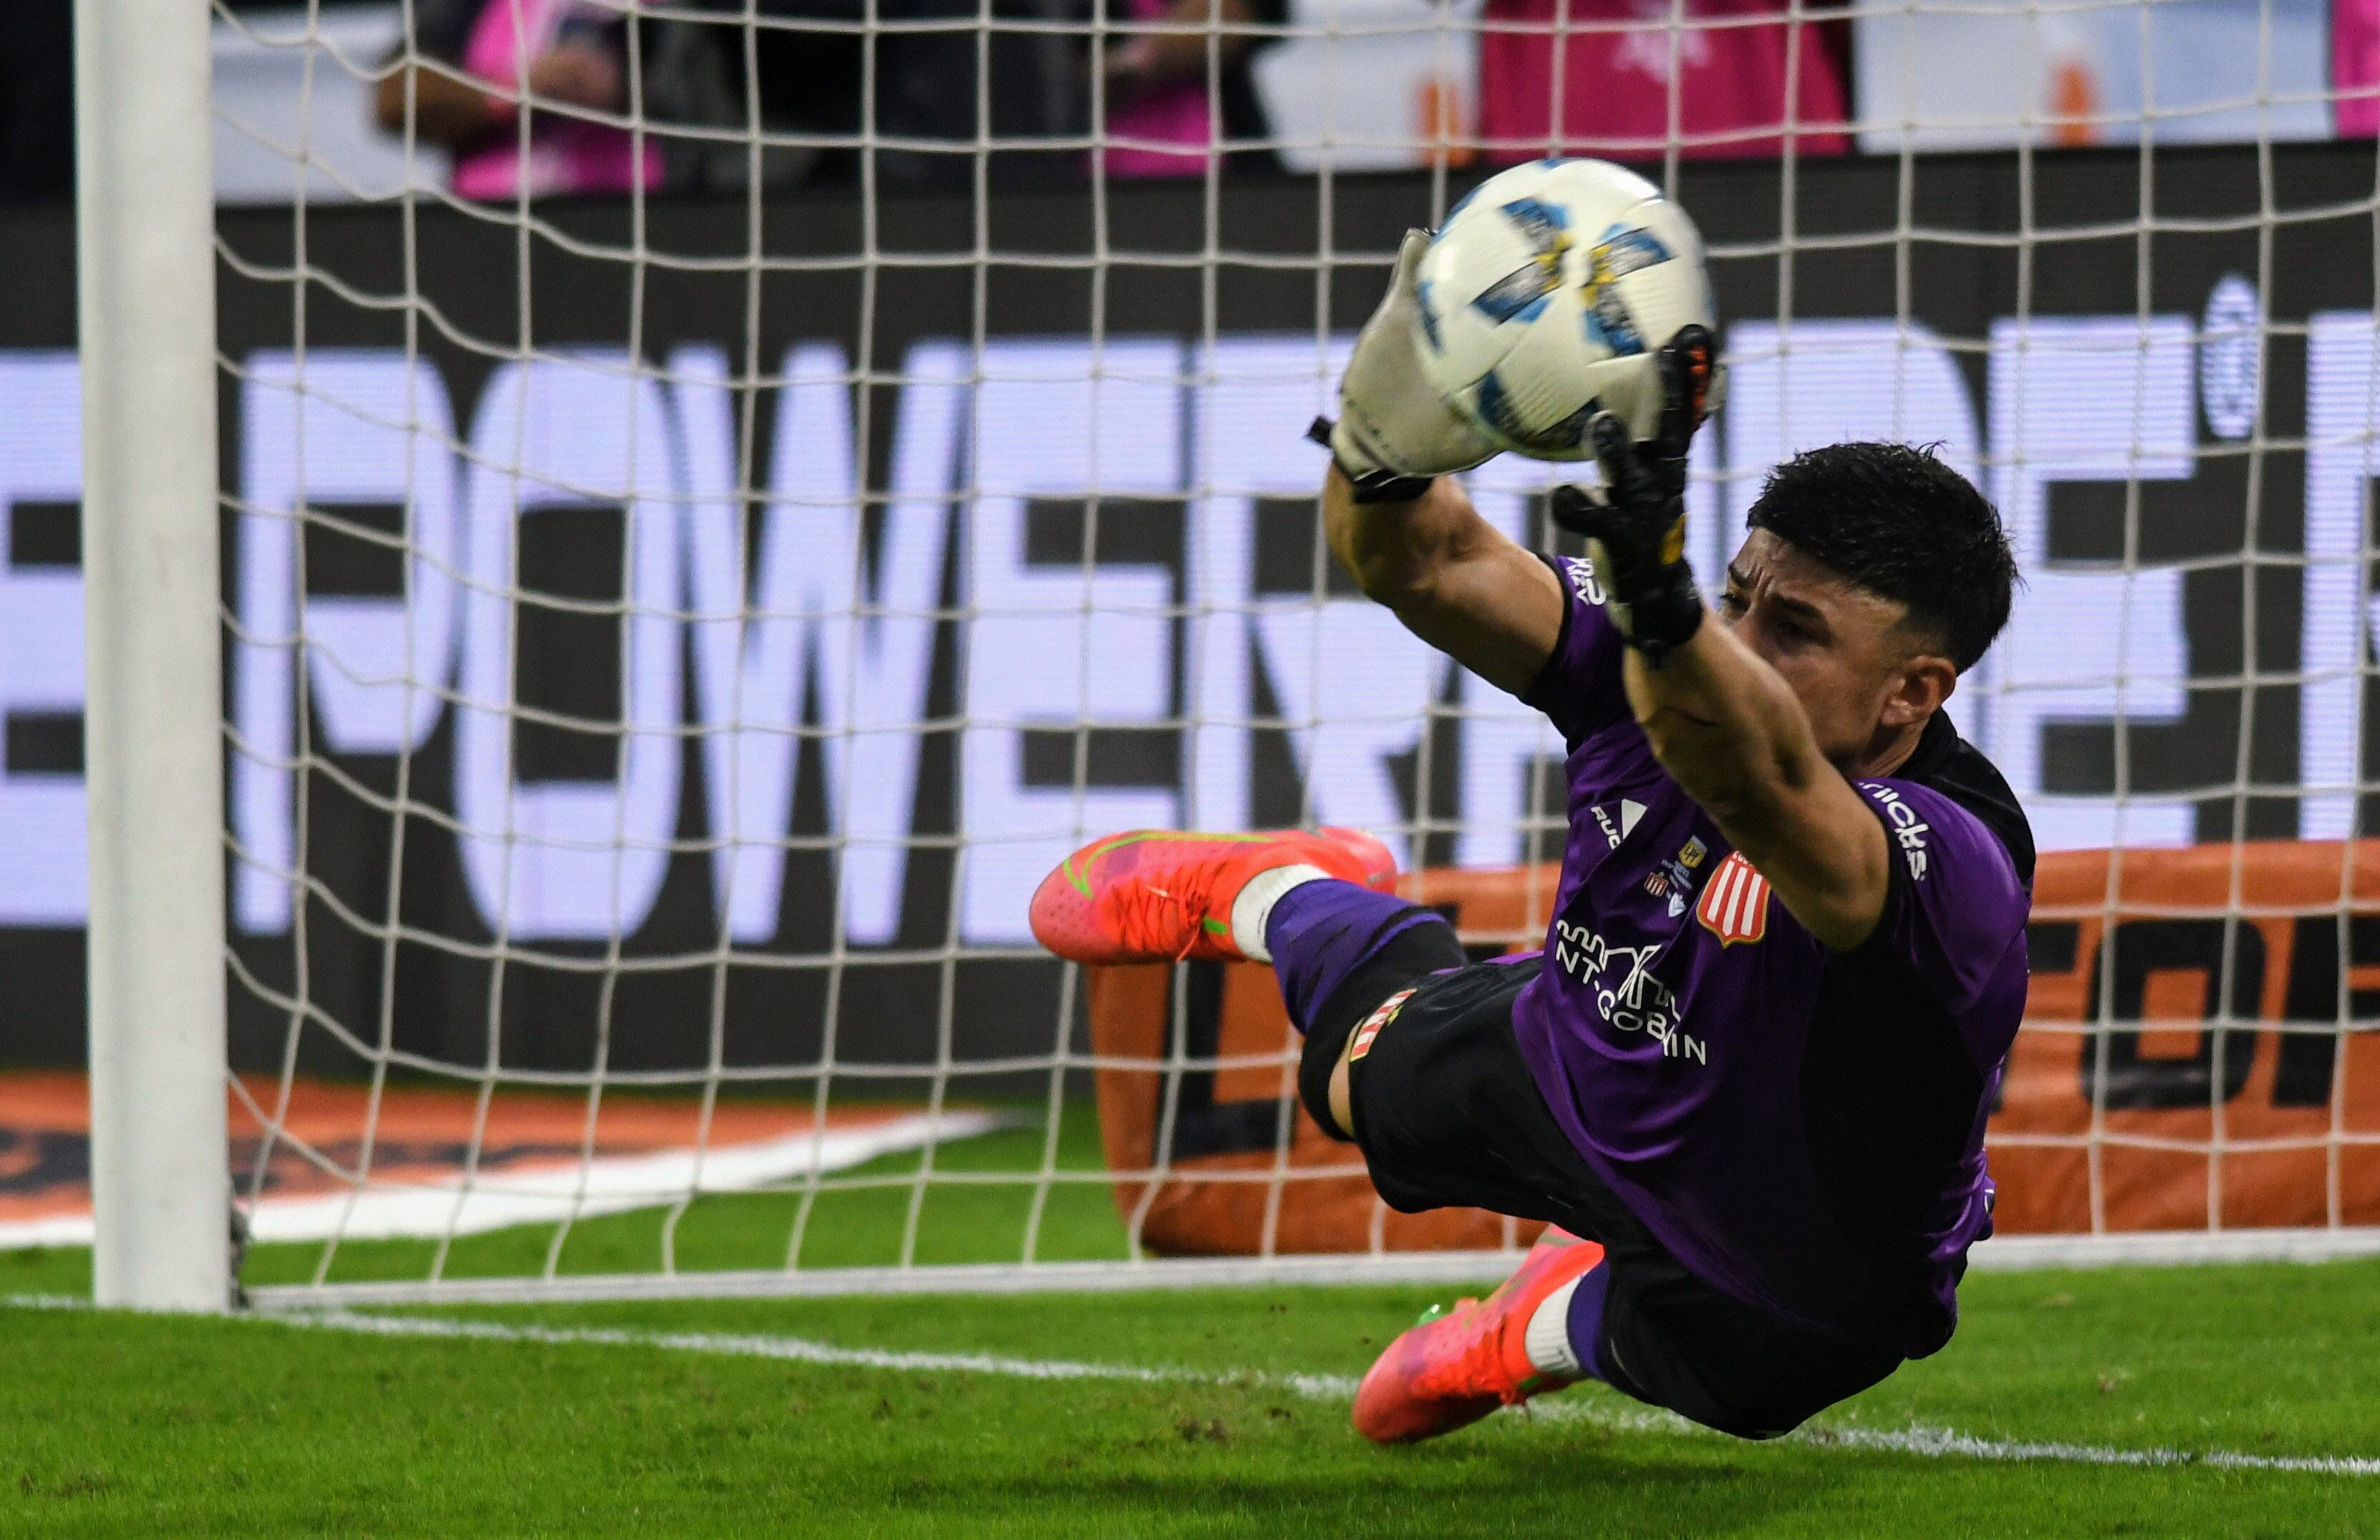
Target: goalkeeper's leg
x=1413, y=1055
x=1410, y=1050
x=1349, y=962
x=1443, y=1103
x=1311, y=904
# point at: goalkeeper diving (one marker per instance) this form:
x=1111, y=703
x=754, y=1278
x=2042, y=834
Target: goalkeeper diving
x=1745, y=1083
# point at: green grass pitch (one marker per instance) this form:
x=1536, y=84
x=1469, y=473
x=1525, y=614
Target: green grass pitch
x=1151, y=1414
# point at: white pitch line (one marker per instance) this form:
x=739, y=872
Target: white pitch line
x=1930, y=1443
x=1917, y=1439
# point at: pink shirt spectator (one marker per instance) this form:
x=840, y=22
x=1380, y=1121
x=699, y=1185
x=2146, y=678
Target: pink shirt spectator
x=2355, y=67
x=565, y=155
x=1170, y=114
x=1616, y=84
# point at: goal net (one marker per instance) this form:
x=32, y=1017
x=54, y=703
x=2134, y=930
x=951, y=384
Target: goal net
x=721, y=498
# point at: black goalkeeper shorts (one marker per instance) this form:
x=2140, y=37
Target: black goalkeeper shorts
x=1448, y=1115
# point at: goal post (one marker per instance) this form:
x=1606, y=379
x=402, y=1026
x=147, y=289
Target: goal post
x=154, y=709
x=564, y=789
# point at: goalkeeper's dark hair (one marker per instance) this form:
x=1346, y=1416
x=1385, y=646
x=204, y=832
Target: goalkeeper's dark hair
x=1894, y=520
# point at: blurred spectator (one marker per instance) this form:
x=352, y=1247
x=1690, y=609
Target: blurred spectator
x=945, y=83
x=37, y=102
x=935, y=92
x=576, y=55
x=1622, y=62
x=2355, y=67
x=1157, y=101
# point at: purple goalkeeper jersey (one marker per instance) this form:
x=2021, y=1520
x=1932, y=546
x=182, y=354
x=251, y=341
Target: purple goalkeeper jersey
x=1801, y=1128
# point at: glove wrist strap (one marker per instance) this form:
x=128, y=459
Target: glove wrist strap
x=1380, y=484
x=1384, y=486
x=1665, y=615
x=1653, y=604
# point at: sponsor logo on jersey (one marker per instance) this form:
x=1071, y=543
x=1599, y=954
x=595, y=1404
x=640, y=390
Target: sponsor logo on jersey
x=1909, y=828
x=1619, y=981
x=1735, y=907
x=1370, y=1027
x=1582, y=581
x=1630, y=811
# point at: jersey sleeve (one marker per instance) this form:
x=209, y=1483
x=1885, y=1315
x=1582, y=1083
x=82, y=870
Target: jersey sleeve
x=1955, y=910
x=1579, y=687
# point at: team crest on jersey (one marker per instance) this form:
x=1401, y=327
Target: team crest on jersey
x=1735, y=907
x=1370, y=1027
x=1674, y=878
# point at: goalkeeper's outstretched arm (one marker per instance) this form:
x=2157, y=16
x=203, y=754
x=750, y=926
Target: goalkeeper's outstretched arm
x=1719, y=718
x=1736, y=737
x=1407, y=532
x=1722, y=721
x=1455, y=580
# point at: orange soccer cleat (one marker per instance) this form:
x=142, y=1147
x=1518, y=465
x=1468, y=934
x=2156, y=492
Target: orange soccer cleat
x=1453, y=1368
x=1379, y=867
x=1158, y=896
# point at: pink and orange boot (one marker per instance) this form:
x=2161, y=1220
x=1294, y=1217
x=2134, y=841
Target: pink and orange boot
x=1457, y=1367
x=1158, y=896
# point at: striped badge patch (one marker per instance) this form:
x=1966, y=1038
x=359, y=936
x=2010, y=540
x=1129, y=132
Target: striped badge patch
x=1370, y=1027
x=1735, y=904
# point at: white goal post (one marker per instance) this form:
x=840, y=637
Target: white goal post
x=562, y=790
x=152, y=712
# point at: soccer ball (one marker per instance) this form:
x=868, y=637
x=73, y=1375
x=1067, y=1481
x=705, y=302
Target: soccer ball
x=1541, y=301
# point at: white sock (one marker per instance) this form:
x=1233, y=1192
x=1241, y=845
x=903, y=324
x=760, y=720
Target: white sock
x=1254, y=906
x=1547, y=1338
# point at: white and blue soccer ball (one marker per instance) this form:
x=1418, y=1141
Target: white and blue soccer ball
x=1543, y=299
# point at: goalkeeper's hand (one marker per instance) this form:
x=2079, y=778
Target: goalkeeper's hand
x=1635, y=527
x=1394, y=430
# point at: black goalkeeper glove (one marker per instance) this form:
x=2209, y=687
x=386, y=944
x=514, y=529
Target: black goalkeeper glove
x=1635, y=527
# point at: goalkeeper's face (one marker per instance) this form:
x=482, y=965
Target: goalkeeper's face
x=1866, y=677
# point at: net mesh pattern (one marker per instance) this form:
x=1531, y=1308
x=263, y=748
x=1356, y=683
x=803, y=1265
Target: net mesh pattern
x=704, y=538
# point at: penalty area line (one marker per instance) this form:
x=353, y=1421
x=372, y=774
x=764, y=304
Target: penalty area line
x=1931, y=1443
